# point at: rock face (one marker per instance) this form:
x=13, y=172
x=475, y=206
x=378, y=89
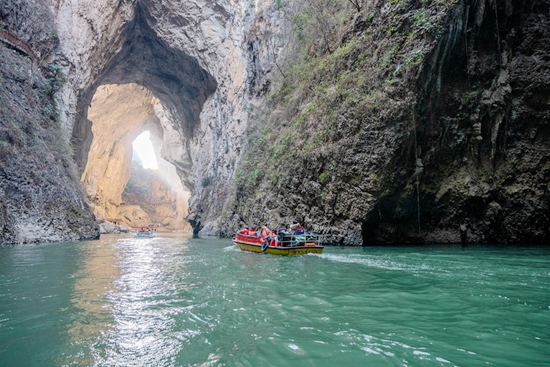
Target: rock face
x=483, y=120
x=189, y=58
x=446, y=141
x=482, y=116
x=150, y=199
x=119, y=113
x=40, y=199
x=185, y=57
x=415, y=122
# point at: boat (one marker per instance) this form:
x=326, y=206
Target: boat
x=284, y=244
x=144, y=234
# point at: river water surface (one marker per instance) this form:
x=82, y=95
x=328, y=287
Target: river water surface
x=198, y=302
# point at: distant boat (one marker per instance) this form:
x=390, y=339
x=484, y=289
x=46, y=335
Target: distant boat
x=144, y=234
x=284, y=244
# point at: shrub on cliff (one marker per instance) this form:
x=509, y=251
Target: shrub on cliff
x=341, y=90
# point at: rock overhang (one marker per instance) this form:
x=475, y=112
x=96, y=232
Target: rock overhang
x=178, y=85
x=172, y=76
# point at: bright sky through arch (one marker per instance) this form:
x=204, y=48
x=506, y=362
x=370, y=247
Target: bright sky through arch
x=144, y=149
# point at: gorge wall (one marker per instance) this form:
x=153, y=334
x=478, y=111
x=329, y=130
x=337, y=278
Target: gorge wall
x=425, y=122
x=40, y=199
x=186, y=57
x=410, y=121
x=152, y=199
x=119, y=113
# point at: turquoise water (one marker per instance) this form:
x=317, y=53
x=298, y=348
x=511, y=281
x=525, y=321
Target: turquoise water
x=197, y=302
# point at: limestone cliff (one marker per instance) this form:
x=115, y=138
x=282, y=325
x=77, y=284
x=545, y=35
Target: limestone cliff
x=187, y=57
x=40, y=199
x=118, y=115
x=154, y=200
x=385, y=122
x=425, y=122
x=190, y=58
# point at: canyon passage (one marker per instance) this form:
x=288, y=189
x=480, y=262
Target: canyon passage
x=412, y=135
x=370, y=122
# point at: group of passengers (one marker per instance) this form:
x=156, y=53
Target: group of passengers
x=273, y=235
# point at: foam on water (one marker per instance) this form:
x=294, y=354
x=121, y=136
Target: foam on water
x=374, y=261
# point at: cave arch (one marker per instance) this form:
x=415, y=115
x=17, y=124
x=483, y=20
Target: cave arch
x=178, y=89
x=172, y=76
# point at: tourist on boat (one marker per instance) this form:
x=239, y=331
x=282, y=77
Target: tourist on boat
x=296, y=228
x=252, y=232
x=274, y=240
x=265, y=232
x=282, y=231
x=245, y=231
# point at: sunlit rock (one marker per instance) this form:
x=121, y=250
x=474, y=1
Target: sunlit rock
x=119, y=113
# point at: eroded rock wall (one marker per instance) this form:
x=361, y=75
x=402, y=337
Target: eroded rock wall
x=441, y=136
x=154, y=199
x=448, y=143
x=190, y=57
x=119, y=113
x=214, y=34
x=483, y=119
x=40, y=199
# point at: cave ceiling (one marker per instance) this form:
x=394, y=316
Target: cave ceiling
x=172, y=76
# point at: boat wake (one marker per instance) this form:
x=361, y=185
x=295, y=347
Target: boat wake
x=373, y=261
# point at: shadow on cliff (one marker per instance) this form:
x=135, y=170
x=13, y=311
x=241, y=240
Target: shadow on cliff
x=481, y=153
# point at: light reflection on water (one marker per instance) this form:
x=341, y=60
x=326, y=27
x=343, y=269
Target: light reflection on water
x=173, y=301
x=93, y=280
x=144, y=303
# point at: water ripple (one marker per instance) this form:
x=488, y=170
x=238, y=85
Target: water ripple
x=196, y=302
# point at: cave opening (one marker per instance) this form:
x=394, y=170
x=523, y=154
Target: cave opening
x=143, y=151
x=126, y=179
x=146, y=86
x=154, y=195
